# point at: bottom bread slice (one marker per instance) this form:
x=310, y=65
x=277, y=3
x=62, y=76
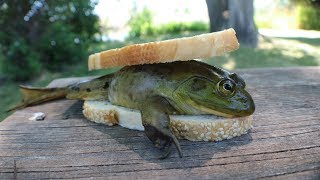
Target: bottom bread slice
x=191, y=127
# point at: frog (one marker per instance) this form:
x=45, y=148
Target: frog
x=158, y=91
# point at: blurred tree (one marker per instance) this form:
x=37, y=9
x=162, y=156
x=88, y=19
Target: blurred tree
x=141, y=23
x=217, y=10
x=314, y=3
x=241, y=19
x=308, y=14
x=236, y=14
x=37, y=34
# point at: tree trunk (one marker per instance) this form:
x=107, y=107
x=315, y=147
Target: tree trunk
x=237, y=14
x=216, y=9
x=241, y=19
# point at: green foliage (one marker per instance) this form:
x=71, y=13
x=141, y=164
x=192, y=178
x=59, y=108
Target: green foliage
x=59, y=46
x=309, y=17
x=141, y=24
x=38, y=35
x=178, y=27
x=20, y=61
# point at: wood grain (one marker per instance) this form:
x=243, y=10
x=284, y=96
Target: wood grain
x=284, y=143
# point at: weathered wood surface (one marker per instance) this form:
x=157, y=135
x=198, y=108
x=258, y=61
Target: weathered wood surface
x=284, y=143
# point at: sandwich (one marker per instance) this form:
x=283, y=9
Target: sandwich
x=163, y=91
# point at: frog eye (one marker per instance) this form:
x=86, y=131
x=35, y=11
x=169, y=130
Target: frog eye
x=226, y=87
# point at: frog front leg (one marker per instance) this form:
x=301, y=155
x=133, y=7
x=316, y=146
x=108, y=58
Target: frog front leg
x=156, y=122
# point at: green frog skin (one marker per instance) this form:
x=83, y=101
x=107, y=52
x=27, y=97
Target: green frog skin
x=159, y=90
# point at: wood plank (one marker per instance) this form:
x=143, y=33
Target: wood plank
x=284, y=143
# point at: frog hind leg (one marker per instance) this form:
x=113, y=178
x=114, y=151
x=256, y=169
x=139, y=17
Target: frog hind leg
x=156, y=122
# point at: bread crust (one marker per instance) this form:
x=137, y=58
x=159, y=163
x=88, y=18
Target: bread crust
x=187, y=48
x=191, y=127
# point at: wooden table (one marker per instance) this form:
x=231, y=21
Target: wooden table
x=284, y=143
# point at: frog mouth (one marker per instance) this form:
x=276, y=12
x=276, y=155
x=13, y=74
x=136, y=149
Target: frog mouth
x=213, y=112
x=205, y=110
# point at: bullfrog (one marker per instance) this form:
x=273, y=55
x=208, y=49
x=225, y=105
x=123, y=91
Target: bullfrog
x=159, y=90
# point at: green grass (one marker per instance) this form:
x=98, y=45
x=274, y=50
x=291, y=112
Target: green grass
x=9, y=95
x=272, y=52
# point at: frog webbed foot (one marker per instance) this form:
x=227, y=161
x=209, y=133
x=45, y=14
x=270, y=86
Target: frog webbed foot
x=160, y=140
x=156, y=122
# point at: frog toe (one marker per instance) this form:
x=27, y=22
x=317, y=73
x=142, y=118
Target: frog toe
x=162, y=139
x=166, y=151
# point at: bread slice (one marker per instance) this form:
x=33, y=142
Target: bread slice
x=200, y=46
x=191, y=127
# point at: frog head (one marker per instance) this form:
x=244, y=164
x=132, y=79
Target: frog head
x=216, y=92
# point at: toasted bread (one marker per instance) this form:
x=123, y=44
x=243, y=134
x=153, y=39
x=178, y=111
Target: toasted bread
x=187, y=48
x=191, y=127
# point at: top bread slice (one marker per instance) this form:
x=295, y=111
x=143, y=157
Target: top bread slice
x=187, y=48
